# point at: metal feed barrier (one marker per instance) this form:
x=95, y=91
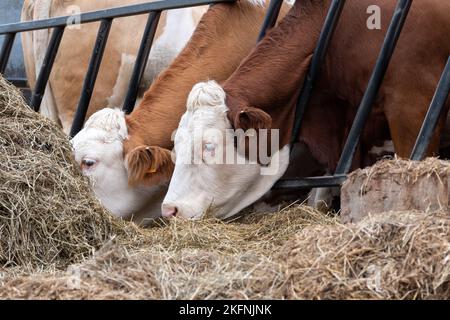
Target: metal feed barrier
x=154, y=10
x=365, y=107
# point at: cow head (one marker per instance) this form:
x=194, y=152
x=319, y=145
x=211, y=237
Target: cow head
x=213, y=173
x=98, y=149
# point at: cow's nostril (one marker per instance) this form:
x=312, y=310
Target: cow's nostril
x=169, y=211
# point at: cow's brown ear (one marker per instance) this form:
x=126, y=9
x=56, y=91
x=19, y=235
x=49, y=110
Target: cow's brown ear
x=252, y=118
x=148, y=165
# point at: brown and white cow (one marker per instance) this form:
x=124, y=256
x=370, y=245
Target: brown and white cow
x=129, y=157
x=261, y=92
x=62, y=94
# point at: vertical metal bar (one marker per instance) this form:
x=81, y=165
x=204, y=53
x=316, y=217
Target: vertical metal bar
x=46, y=68
x=91, y=76
x=433, y=115
x=6, y=51
x=271, y=17
x=141, y=61
x=390, y=41
x=331, y=21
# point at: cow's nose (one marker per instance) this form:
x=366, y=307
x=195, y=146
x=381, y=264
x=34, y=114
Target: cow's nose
x=169, y=211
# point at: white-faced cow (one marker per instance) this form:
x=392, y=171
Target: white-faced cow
x=261, y=93
x=128, y=158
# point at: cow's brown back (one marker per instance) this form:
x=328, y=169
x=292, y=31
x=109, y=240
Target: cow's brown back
x=270, y=77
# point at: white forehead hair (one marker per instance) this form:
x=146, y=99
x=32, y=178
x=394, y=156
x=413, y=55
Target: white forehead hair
x=206, y=110
x=112, y=121
x=105, y=126
x=206, y=94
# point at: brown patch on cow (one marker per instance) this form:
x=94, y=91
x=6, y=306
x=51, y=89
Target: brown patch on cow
x=269, y=78
x=149, y=165
x=272, y=75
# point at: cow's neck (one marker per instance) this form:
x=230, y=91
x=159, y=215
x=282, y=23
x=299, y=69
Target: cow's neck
x=270, y=81
x=224, y=36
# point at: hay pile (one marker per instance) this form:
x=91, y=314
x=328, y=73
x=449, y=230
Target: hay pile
x=182, y=259
x=396, y=185
x=295, y=254
x=404, y=170
x=47, y=214
x=396, y=255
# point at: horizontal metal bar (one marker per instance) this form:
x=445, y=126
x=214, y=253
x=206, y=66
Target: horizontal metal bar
x=390, y=41
x=91, y=76
x=46, y=68
x=112, y=13
x=311, y=182
x=331, y=21
x=141, y=61
x=19, y=82
x=433, y=115
x=8, y=43
x=271, y=17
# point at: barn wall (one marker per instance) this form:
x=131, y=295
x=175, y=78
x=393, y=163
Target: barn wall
x=10, y=12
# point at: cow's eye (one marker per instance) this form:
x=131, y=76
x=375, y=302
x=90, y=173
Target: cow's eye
x=88, y=163
x=210, y=147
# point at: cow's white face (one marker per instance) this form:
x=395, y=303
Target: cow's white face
x=98, y=149
x=204, y=181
